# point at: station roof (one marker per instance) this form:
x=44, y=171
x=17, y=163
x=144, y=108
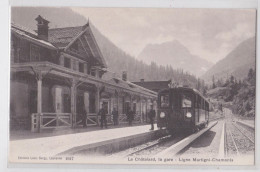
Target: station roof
x=66, y=36
x=61, y=37
x=131, y=86
x=154, y=85
x=30, y=35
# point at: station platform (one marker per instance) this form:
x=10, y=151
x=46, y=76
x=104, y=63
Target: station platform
x=27, y=134
x=54, y=145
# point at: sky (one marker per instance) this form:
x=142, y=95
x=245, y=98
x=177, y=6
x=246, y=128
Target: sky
x=208, y=33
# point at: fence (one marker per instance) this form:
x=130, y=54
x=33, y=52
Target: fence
x=59, y=120
x=51, y=120
x=122, y=119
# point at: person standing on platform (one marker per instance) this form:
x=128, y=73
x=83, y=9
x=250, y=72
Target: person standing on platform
x=103, y=113
x=130, y=116
x=115, y=116
x=151, y=116
x=84, y=118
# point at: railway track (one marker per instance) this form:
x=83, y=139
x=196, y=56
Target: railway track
x=163, y=145
x=156, y=147
x=158, y=144
x=246, y=133
x=238, y=140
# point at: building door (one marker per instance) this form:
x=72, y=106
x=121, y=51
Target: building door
x=58, y=100
x=86, y=101
x=32, y=107
x=127, y=107
x=66, y=100
x=79, y=107
x=32, y=102
x=134, y=107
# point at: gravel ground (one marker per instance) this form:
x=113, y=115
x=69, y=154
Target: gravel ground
x=169, y=142
x=164, y=143
x=160, y=147
x=243, y=144
x=139, y=147
x=237, y=142
x=248, y=132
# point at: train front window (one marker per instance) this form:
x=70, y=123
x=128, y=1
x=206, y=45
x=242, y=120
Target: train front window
x=164, y=100
x=186, y=100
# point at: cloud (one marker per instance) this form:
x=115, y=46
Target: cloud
x=208, y=33
x=240, y=31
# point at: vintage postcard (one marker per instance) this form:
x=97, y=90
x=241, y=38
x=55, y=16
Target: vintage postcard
x=132, y=86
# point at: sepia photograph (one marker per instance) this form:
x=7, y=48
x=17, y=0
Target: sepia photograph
x=158, y=86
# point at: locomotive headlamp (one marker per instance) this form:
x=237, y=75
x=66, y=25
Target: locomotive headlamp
x=188, y=115
x=162, y=115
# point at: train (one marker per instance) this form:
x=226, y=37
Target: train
x=182, y=109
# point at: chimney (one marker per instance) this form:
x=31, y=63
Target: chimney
x=42, y=28
x=124, y=76
x=142, y=80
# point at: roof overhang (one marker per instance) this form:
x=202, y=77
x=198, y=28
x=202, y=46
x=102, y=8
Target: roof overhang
x=70, y=74
x=39, y=42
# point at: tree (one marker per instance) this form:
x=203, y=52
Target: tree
x=219, y=83
x=198, y=84
x=250, y=74
x=232, y=79
x=205, y=89
x=213, y=82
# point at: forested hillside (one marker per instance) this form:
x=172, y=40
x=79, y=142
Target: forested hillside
x=239, y=95
x=236, y=63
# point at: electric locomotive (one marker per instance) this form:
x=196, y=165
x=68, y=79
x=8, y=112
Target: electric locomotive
x=182, y=109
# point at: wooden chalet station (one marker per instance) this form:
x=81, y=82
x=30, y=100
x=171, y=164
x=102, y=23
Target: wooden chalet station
x=56, y=74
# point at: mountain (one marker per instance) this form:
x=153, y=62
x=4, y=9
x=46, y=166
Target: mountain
x=175, y=54
x=236, y=63
x=117, y=60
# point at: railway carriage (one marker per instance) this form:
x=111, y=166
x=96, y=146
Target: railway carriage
x=182, y=109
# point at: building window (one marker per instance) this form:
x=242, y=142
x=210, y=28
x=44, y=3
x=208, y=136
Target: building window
x=34, y=53
x=186, y=100
x=81, y=67
x=67, y=62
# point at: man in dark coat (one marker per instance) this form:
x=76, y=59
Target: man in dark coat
x=103, y=113
x=84, y=118
x=151, y=116
x=130, y=116
x=115, y=116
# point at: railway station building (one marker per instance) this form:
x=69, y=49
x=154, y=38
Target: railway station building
x=155, y=86
x=57, y=73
